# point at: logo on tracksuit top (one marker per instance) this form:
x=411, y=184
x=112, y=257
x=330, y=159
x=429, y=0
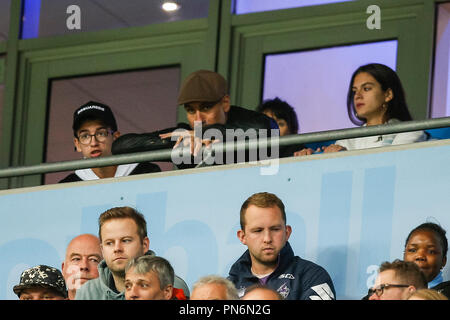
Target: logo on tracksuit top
x=286, y=276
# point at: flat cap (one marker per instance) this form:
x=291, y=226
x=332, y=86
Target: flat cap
x=203, y=86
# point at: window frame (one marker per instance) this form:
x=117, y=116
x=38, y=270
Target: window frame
x=252, y=36
x=189, y=44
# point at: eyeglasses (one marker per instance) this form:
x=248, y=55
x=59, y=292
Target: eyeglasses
x=380, y=290
x=100, y=135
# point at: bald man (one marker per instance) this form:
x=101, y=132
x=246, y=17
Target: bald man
x=214, y=287
x=83, y=254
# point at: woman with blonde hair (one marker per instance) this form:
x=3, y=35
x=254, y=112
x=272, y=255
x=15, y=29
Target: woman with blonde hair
x=427, y=294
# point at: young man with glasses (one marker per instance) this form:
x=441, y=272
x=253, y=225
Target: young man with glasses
x=95, y=129
x=397, y=280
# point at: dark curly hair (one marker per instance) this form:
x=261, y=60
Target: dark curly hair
x=282, y=110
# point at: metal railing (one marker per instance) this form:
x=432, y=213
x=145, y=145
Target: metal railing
x=166, y=154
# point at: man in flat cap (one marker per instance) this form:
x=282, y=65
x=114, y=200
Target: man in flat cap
x=95, y=129
x=204, y=95
x=41, y=283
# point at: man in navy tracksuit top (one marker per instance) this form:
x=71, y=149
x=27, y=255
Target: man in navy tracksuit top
x=270, y=260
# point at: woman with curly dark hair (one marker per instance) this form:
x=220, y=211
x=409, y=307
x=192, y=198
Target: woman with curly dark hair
x=427, y=246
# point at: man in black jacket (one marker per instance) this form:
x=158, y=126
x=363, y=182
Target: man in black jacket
x=211, y=117
x=95, y=129
x=270, y=260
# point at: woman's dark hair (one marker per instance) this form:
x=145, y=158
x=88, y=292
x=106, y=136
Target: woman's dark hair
x=388, y=79
x=282, y=110
x=437, y=229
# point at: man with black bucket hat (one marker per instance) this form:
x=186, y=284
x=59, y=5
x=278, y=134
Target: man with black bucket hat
x=41, y=283
x=95, y=129
x=206, y=100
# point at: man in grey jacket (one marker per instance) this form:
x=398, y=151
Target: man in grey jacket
x=123, y=236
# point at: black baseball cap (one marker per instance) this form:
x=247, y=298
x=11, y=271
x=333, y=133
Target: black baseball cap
x=93, y=111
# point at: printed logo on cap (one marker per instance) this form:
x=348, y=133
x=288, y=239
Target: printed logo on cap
x=91, y=107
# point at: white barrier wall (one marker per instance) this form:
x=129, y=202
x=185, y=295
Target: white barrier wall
x=349, y=212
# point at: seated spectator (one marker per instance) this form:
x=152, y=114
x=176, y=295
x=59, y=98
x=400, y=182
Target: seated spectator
x=214, y=287
x=427, y=294
x=397, y=281
x=83, y=254
x=150, y=278
x=375, y=97
x=261, y=292
x=94, y=130
x=270, y=259
x=287, y=121
x=207, y=103
x=123, y=236
x=41, y=283
x=427, y=245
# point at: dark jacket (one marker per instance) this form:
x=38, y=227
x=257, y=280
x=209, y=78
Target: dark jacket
x=444, y=288
x=237, y=118
x=294, y=278
x=144, y=167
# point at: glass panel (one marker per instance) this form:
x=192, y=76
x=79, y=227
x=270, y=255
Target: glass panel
x=4, y=18
x=315, y=82
x=44, y=18
x=440, y=105
x=249, y=6
x=142, y=101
